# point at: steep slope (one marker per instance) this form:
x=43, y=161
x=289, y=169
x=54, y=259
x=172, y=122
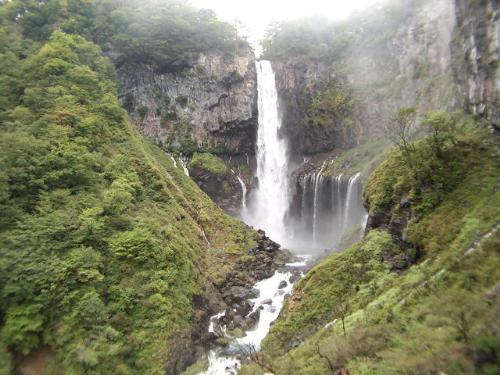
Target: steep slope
x=419, y=294
x=110, y=256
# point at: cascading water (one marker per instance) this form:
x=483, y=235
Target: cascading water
x=318, y=177
x=270, y=200
x=328, y=211
x=243, y=194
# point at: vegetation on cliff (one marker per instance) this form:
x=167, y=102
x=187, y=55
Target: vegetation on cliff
x=324, y=40
x=209, y=163
x=420, y=292
x=105, y=245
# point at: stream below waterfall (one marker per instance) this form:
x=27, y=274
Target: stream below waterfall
x=271, y=296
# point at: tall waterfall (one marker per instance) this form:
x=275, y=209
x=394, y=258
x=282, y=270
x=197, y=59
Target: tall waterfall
x=270, y=201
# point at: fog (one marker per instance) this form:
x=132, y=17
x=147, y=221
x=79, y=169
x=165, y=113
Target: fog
x=254, y=16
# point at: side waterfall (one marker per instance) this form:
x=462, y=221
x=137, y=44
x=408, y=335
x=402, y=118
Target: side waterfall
x=243, y=194
x=328, y=210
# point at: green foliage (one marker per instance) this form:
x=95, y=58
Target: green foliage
x=315, y=38
x=320, y=39
x=428, y=169
x=210, y=163
x=166, y=34
x=327, y=286
x=331, y=108
x=440, y=314
x=181, y=100
x=102, y=239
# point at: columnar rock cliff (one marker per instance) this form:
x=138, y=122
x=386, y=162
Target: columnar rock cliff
x=208, y=106
x=477, y=53
x=378, y=72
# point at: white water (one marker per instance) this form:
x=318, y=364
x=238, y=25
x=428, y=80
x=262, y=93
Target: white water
x=184, y=162
x=220, y=363
x=268, y=207
x=173, y=161
x=243, y=194
x=318, y=176
x=268, y=289
x=270, y=200
x=352, y=181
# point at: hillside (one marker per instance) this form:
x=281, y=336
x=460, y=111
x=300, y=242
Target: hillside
x=420, y=292
x=111, y=258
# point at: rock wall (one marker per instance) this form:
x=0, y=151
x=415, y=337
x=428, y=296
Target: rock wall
x=476, y=48
x=408, y=65
x=208, y=106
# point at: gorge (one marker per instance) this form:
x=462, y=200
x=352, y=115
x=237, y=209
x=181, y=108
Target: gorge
x=171, y=203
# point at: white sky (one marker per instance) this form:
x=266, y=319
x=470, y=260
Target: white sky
x=257, y=14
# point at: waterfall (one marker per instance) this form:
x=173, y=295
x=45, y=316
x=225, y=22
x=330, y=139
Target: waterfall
x=173, y=161
x=243, y=193
x=184, y=162
x=270, y=200
x=348, y=201
x=318, y=176
x=329, y=210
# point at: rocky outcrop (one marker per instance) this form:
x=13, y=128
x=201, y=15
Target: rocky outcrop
x=298, y=81
x=238, y=287
x=476, y=48
x=218, y=180
x=210, y=105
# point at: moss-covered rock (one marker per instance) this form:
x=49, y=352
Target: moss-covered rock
x=218, y=180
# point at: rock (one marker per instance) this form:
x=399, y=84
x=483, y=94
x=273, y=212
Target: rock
x=282, y=284
x=295, y=276
x=212, y=101
x=255, y=315
x=400, y=262
x=267, y=301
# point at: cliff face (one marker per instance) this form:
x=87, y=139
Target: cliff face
x=297, y=82
x=408, y=65
x=477, y=51
x=209, y=106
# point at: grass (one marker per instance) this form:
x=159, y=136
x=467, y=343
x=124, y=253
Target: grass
x=210, y=163
x=362, y=158
x=441, y=314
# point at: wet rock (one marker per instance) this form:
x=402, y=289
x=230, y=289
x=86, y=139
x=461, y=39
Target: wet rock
x=282, y=284
x=267, y=301
x=295, y=276
x=255, y=315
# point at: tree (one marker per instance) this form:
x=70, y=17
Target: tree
x=400, y=129
x=444, y=129
x=342, y=310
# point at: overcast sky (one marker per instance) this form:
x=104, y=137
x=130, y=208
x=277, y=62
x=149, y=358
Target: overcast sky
x=257, y=14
